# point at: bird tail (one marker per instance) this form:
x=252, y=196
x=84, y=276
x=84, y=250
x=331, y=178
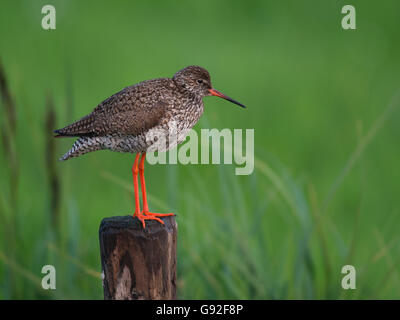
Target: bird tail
x=81, y=146
x=80, y=128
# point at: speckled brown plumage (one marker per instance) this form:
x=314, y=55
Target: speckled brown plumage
x=123, y=121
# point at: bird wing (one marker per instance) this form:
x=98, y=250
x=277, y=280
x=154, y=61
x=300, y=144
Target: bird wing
x=131, y=111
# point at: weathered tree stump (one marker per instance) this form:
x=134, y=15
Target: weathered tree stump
x=138, y=263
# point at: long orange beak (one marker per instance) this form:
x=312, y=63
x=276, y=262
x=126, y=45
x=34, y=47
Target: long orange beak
x=221, y=95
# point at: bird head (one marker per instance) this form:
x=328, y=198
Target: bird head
x=196, y=80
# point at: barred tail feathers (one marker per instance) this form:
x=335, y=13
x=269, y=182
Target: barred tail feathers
x=81, y=146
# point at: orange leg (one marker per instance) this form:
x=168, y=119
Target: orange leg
x=150, y=215
x=135, y=171
x=145, y=214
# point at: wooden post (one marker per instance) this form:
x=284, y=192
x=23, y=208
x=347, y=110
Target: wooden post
x=138, y=263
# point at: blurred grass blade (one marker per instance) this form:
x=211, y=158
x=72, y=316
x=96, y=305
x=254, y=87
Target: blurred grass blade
x=360, y=148
x=51, y=158
x=89, y=271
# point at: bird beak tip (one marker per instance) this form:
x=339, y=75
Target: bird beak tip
x=216, y=93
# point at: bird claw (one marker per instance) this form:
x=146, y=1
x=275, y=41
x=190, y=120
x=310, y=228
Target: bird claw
x=146, y=215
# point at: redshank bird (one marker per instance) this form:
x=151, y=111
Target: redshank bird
x=124, y=121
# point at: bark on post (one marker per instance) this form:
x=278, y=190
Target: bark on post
x=138, y=263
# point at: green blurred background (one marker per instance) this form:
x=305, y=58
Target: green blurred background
x=323, y=102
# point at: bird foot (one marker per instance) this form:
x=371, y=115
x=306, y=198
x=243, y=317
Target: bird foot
x=146, y=215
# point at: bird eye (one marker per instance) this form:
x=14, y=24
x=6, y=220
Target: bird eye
x=199, y=81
